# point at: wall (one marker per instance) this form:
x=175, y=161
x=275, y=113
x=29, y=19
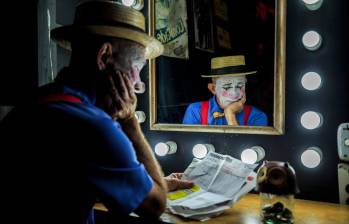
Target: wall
x=18, y=62
x=330, y=61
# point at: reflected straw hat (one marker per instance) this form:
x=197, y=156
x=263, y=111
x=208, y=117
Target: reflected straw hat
x=110, y=19
x=229, y=66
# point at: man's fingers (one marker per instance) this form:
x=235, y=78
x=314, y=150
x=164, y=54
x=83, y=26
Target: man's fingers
x=183, y=184
x=124, y=87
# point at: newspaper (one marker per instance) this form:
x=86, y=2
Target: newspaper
x=220, y=181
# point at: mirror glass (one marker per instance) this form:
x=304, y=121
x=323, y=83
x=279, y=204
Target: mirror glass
x=195, y=31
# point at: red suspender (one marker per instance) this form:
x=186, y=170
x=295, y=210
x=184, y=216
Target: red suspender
x=60, y=97
x=204, y=112
x=247, y=111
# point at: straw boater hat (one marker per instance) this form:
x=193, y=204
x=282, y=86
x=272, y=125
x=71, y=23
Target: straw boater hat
x=110, y=19
x=229, y=66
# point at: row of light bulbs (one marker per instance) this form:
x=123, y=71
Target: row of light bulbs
x=311, y=81
x=310, y=158
x=249, y=155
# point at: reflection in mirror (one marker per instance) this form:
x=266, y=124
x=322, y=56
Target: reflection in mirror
x=196, y=31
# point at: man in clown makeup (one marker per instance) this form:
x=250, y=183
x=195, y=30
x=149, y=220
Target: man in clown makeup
x=227, y=106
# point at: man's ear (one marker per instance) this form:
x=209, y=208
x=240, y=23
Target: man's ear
x=104, y=53
x=212, y=87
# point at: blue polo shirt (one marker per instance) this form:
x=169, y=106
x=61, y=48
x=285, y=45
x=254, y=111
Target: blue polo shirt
x=193, y=115
x=70, y=155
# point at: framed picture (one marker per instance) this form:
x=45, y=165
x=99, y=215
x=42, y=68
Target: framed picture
x=203, y=27
x=171, y=27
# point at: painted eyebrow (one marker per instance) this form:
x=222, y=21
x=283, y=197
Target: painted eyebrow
x=228, y=84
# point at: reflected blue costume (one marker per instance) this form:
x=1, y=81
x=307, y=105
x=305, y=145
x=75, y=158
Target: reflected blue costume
x=193, y=115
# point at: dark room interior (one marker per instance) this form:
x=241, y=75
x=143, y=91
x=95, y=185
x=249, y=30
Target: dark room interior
x=31, y=60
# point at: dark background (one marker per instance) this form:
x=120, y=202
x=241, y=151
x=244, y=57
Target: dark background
x=19, y=78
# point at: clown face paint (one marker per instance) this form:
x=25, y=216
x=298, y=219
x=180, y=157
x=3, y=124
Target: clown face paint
x=230, y=89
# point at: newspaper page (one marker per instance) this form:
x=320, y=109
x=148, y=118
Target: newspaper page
x=220, y=181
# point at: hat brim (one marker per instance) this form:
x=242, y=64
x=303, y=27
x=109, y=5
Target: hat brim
x=63, y=36
x=229, y=74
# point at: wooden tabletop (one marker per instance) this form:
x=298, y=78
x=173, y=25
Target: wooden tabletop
x=246, y=211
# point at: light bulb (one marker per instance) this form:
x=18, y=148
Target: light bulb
x=311, y=81
x=162, y=149
x=140, y=115
x=311, y=120
x=312, y=4
x=136, y=4
x=312, y=40
x=128, y=2
x=252, y=155
x=311, y=157
x=201, y=150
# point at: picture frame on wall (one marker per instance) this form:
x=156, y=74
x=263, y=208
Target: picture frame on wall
x=203, y=25
x=171, y=27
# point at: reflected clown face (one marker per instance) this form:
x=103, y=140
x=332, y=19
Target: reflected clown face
x=230, y=89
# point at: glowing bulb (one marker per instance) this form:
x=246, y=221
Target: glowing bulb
x=140, y=115
x=162, y=149
x=136, y=4
x=201, y=150
x=313, y=4
x=128, y=2
x=252, y=155
x=311, y=120
x=312, y=40
x=311, y=81
x=311, y=157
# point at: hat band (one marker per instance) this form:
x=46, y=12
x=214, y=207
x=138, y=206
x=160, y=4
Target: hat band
x=110, y=23
x=230, y=70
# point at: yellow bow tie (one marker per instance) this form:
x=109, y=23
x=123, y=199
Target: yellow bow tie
x=217, y=114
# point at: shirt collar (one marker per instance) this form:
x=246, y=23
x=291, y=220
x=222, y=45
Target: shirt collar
x=83, y=96
x=214, y=106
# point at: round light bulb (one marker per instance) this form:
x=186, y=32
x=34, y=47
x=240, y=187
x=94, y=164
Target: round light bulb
x=313, y=4
x=311, y=81
x=252, y=155
x=136, y=4
x=249, y=156
x=128, y=2
x=140, y=115
x=312, y=40
x=311, y=120
x=161, y=149
x=311, y=157
x=201, y=150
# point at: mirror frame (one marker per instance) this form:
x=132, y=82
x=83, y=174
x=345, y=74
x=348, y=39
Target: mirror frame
x=279, y=85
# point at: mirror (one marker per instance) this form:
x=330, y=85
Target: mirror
x=193, y=32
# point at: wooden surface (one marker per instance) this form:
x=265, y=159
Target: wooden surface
x=246, y=211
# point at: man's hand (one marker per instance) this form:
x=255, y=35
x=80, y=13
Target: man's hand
x=126, y=100
x=174, y=182
x=232, y=109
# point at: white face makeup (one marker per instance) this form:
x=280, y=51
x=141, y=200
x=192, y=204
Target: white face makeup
x=230, y=89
